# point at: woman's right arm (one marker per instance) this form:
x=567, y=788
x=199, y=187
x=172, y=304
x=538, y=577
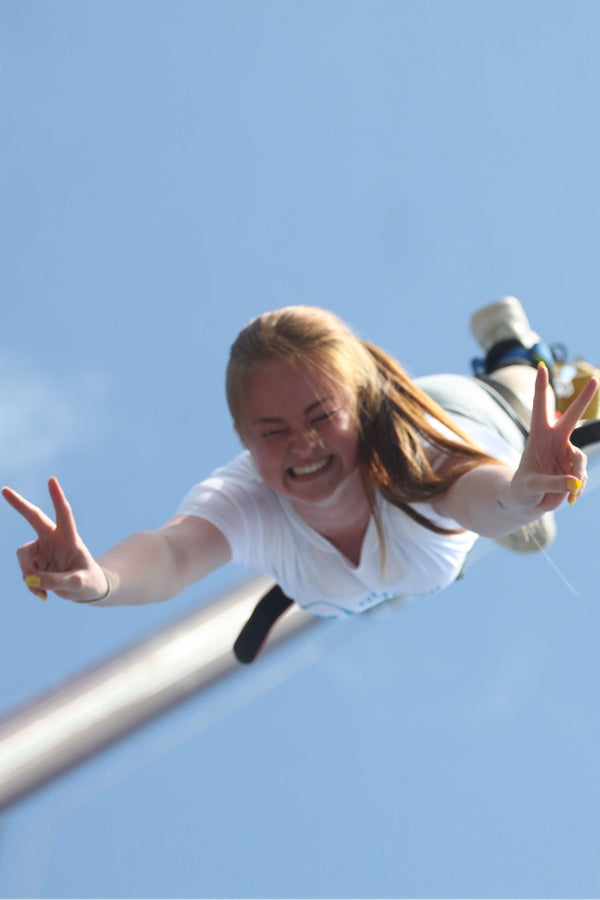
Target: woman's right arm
x=145, y=568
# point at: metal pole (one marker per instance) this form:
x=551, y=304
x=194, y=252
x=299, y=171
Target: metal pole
x=63, y=727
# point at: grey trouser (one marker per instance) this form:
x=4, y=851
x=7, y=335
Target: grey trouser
x=475, y=400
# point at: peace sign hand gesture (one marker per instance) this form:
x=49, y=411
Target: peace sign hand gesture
x=58, y=560
x=551, y=467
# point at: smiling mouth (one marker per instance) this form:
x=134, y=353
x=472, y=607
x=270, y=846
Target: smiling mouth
x=310, y=469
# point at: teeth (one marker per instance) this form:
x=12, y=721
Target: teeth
x=308, y=470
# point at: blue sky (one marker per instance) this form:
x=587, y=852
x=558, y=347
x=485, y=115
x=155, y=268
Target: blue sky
x=168, y=171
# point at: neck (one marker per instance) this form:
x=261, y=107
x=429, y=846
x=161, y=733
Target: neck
x=342, y=519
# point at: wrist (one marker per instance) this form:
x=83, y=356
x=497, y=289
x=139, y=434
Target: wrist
x=507, y=502
x=105, y=595
x=504, y=499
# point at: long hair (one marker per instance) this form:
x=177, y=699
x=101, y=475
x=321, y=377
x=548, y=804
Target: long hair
x=394, y=417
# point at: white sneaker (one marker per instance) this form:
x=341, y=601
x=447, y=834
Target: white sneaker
x=500, y=321
x=533, y=537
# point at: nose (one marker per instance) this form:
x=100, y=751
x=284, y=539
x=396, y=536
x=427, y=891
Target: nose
x=304, y=440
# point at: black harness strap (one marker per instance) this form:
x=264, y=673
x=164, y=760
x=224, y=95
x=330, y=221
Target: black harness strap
x=587, y=433
x=517, y=410
x=256, y=630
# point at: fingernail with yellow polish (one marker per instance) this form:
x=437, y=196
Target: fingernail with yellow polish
x=574, y=484
x=33, y=581
x=42, y=595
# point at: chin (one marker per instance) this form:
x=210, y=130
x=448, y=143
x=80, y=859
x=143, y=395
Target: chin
x=322, y=494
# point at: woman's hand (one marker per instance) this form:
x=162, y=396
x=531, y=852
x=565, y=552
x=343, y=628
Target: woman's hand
x=58, y=560
x=551, y=468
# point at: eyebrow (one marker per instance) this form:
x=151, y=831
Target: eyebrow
x=265, y=420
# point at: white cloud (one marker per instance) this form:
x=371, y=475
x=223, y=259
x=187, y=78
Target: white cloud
x=42, y=415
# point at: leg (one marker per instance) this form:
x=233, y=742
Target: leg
x=521, y=381
x=513, y=350
x=512, y=353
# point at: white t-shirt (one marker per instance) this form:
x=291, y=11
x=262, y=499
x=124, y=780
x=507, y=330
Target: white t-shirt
x=265, y=534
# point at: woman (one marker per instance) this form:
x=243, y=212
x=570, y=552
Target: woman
x=355, y=485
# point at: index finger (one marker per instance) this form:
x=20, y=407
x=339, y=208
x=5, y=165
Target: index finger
x=38, y=520
x=539, y=410
x=65, y=520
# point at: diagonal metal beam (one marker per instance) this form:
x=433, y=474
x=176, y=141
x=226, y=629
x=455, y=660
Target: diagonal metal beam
x=65, y=726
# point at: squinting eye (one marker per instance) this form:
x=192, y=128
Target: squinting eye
x=323, y=417
x=274, y=432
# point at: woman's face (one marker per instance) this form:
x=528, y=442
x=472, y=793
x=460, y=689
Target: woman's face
x=300, y=431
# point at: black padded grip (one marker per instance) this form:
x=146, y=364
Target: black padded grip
x=256, y=630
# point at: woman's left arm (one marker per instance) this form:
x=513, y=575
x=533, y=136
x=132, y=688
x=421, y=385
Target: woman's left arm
x=494, y=500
